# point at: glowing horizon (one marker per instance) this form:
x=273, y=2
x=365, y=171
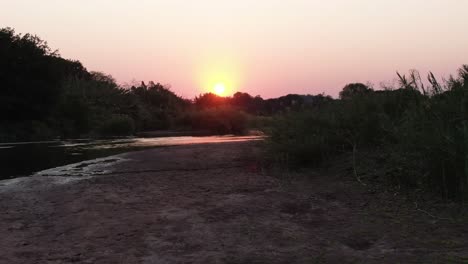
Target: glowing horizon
x=268, y=48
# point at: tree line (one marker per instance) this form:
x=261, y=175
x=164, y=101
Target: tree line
x=44, y=96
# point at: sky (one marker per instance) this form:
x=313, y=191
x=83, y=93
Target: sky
x=263, y=47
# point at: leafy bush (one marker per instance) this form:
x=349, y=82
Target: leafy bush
x=421, y=131
x=260, y=123
x=222, y=120
x=307, y=138
x=117, y=125
x=303, y=138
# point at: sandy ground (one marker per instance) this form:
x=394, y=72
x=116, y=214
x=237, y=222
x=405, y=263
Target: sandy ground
x=212, y=203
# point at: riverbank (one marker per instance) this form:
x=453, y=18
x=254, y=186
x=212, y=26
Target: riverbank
x=25, y=158
x=213, y=203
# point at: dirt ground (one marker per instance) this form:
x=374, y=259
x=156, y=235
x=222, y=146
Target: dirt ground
x=213, y=203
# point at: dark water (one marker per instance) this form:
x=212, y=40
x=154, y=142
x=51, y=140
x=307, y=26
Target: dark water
x=23, y=159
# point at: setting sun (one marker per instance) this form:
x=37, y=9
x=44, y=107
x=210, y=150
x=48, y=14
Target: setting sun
x=220, y=74
x=219, y=89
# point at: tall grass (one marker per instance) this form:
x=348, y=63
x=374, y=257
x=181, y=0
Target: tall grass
x=422, y=132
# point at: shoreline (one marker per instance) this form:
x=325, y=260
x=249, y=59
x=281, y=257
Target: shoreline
x=26, y=159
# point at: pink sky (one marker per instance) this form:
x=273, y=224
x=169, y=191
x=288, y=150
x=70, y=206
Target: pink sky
x=265, y=47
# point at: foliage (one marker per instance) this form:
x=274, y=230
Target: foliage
x=354, y=89
x=257, y=105
x=260, y=123
x=422, y=131
x=31, y=77
x=117, y=125
x=44, y=96
x=222, y=120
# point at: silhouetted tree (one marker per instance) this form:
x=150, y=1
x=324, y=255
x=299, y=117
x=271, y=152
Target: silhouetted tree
x=354, y=89
x=209, y=100
x=43, y=95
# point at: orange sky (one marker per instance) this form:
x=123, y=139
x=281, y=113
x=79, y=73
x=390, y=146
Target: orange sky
x=265, y=47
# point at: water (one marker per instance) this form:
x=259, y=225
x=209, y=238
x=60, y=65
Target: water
x=23, y=159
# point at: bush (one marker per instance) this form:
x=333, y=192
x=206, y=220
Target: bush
x=422, y=133
x=117, y=125
x=261, y=123
x=302, y=139
x=31, y=130
x=308, y=138
x=221, y=121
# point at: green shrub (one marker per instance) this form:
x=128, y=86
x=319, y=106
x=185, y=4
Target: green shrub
x=422, y=133
x=302, y=138
x=307, y=138
x=221, y=120
x=31, y=130
x=117, y=125
x=261, y=123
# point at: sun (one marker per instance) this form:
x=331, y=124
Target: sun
x=219, y=89
x=220, y=75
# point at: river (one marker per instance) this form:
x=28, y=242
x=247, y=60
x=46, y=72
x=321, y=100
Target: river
x=25, y=158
